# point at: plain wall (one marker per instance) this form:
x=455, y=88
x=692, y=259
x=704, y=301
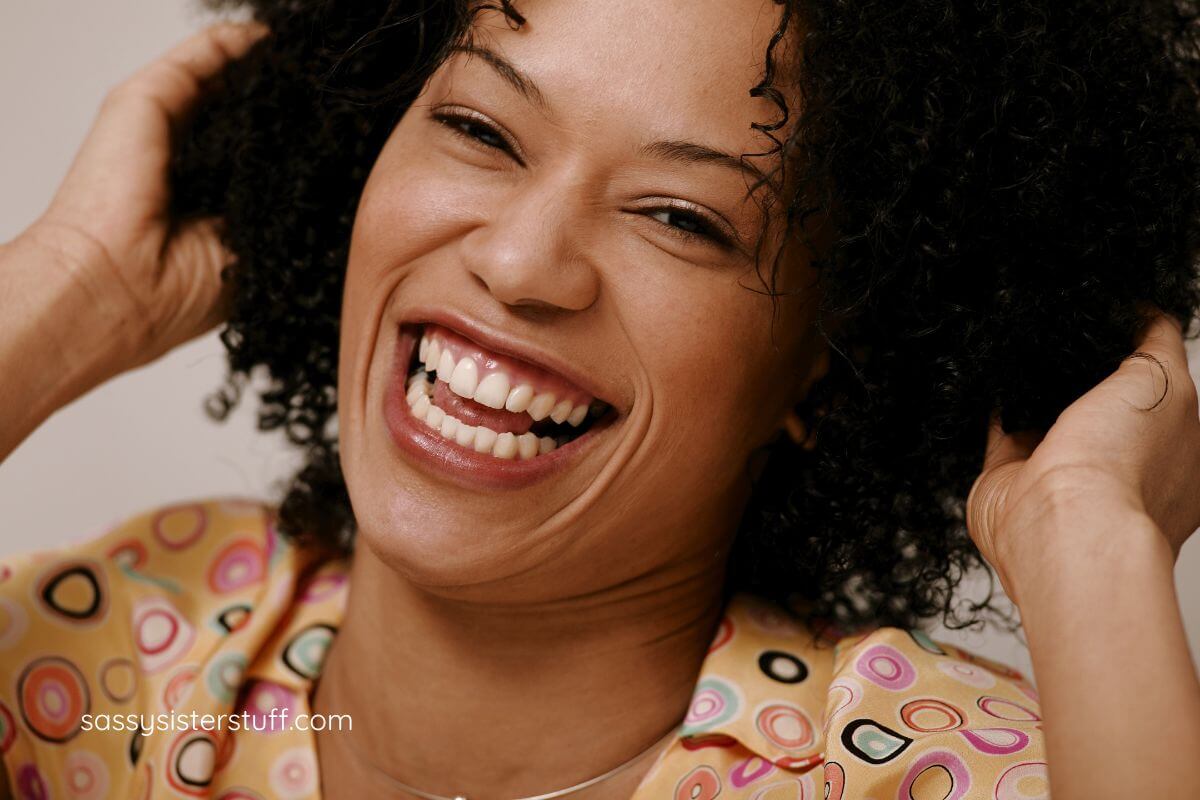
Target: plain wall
x=143, y=439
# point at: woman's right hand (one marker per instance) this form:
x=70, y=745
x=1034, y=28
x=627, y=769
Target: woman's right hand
x=107, y=239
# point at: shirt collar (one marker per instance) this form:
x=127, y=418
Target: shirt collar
x=763, y=684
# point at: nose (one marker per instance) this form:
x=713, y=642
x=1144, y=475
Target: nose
x=528, y=253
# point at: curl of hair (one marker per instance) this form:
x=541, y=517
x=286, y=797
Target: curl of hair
x=1012, y=184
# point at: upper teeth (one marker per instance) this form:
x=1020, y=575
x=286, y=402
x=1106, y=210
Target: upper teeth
x=480, y=438
x=496, y=389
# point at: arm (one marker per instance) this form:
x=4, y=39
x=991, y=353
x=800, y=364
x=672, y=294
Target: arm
x=105, y=281
x=1117, y=684
x=1083, y=526
x=55, y=341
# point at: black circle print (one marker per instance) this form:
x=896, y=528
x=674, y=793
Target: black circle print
x=783, y=667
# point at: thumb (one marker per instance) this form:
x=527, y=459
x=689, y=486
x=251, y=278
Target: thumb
x=1004, y=455
x=192, y=297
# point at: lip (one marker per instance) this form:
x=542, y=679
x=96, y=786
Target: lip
x=500, y=344
x=467, y=468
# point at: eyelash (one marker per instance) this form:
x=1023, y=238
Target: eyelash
x=452, y=122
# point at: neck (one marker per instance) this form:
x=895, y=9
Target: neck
x=497, y=700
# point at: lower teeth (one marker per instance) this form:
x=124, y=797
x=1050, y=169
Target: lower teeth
x=481, y=439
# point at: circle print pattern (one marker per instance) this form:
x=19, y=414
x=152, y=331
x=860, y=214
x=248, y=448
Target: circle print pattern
x=294, y=774
x=239, y=565
x=873, y=742
x=925, y=643
x=118, y=679
x=305, y=653
x=849, y=693
x=971, y=675
x=86, y=776
x=997, y=741
x=702, y=783
x=783, y=667
x=137, y=743
x=1027, y=781
x=785, y=726
x=322, y=586
x=13, y=622
x=179, y=527
x=129, y=554
x=835, y=781
x=232, y=618
x=723, y=635
x=161, y=634
x=793, y=789
x=268, y=706
x=30, y=784
x=8, y=729
x=936, y=775
x=714, y=703
x=74, y=591
x=191, y=762
x=748, y=770
x=179, y=687
x=927, y=715
x=225, y=675
x=887, y=667
x=1006, y=709
x=54, y=697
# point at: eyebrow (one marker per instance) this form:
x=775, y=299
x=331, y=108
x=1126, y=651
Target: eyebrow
x=671, y=150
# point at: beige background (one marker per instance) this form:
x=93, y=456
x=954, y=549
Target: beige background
x=143, y=440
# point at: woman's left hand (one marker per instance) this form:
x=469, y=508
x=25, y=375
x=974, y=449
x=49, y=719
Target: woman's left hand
x=1117, y=449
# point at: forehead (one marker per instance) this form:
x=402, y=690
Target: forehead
x=672, y=68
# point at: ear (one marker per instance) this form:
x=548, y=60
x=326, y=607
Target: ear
x=791, y=423
x=796, y=430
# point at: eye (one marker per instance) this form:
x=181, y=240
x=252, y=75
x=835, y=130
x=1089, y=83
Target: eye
x=689, y=226
x=476, y=131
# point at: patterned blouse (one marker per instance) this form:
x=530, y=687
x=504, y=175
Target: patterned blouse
x=112, y=652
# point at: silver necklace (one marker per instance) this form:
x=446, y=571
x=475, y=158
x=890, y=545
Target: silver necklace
x=549, y=795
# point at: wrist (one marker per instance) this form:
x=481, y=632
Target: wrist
x=69, y=311
x=61, y=335
x=1070, y=554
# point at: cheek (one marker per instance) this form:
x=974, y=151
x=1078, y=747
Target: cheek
x=408, y=209
x=716, y=379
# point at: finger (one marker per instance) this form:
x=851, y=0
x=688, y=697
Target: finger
x=1162, y=336
x=175, y=80
x=1160, y=352
x=1003, y=448
x=192, y=278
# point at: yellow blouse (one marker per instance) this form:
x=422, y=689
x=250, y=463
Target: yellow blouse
x=112, y=652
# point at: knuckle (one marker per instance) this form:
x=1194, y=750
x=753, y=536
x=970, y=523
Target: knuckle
x=117, y=95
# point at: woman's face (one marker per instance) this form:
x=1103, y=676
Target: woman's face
x=526, y=216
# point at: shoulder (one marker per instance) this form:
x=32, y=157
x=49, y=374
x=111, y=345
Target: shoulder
x=126, y=622
x=904, y=711
x=189, y=551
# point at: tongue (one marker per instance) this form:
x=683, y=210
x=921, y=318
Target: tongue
x=472, y=413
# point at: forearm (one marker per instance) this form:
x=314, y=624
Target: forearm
x=1119, y=692
x=58, y=338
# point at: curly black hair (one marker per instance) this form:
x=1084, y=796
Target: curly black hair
x=1012, y=185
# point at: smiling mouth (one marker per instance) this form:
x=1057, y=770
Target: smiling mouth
x=493, y=405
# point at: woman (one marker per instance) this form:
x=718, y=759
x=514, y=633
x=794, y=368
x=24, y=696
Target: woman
x=577, y=445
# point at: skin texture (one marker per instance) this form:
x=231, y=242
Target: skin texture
x=1102, y=499
x=1082, y=523
x=988, y=248
x=602, y=584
